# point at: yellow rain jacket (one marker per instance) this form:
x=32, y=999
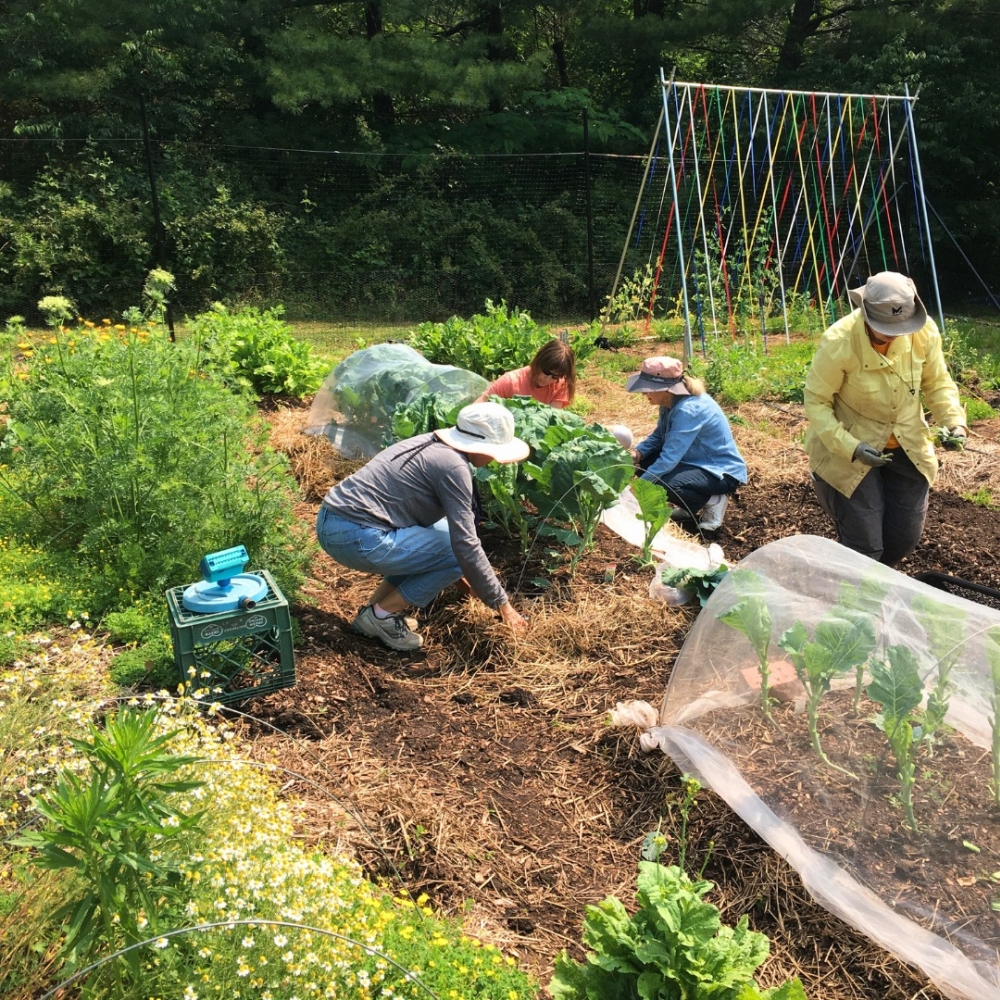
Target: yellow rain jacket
x=854, y=394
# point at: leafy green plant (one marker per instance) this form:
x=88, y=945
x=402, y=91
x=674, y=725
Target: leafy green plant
x=993, y=658
x=945, y=629
x=118, y=832
x=977, y=409
x=500, y=341
x=654, y=512
x=581, y=476
x=675, y=946
x=701, y=581
x=632, y=299
x=983, y=497
x=841, y=644
x=147, y=666
x=897, y=687
x=864, y=598
x=254, y=349
x=574, y=472
x=751, y=617
x=426, y=413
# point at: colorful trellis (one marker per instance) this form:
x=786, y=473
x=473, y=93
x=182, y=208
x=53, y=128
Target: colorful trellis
x=763, y=205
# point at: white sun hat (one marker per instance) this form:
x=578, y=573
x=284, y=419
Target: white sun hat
x=486, y=429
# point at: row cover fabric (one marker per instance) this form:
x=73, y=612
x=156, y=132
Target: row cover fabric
x=802, y=578
x=355, y=404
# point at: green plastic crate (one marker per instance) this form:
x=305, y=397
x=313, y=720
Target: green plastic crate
x=236, y=654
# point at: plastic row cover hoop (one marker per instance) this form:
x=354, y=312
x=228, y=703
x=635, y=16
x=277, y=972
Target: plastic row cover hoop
x=839, y=823
x=355, y=404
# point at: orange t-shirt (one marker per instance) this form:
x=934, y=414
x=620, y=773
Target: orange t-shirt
x=518, y=383
x=883, y=349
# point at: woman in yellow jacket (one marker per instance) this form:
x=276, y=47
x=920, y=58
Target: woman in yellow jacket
x=870, y=449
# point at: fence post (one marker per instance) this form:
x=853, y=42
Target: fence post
x=590, y=217
x=157, y=224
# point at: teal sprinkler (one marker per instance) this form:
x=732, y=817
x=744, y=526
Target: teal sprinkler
x=223, y=587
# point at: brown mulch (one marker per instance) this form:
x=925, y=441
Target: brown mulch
x=481, y=768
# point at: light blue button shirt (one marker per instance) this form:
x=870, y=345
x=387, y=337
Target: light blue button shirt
x=693, y=432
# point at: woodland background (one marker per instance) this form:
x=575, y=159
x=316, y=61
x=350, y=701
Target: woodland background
x=394, y=160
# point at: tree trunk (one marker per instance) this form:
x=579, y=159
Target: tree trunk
x=382, y=106
x=802, y=25
x=559, y=54
x=495, y=49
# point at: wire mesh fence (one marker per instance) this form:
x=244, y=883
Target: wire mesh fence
x=333, y=236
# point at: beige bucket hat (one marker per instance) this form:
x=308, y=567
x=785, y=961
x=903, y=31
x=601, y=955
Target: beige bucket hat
x=890, y=304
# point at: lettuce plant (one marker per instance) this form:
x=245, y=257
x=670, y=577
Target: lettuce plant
x=897, y=687
x=840, y=645
x=675, y=946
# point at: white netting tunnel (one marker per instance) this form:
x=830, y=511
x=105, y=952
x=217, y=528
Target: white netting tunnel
x=873, y=764
x=355, y=406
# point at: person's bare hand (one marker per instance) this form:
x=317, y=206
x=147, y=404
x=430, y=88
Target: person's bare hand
x=512, y=618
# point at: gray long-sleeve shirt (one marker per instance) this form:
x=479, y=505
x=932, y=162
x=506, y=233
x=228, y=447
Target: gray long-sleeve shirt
x=419, y=481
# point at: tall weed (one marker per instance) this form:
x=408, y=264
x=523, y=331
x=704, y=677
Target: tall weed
x=120, y=455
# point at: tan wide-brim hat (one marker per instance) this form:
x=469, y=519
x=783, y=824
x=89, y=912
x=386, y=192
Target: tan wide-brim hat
x=890, y=304
x=486, y=429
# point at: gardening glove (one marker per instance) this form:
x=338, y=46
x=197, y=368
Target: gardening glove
x=954, y=439
x=869, y=456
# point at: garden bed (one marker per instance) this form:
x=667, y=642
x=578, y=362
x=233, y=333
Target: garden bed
x=483, y=769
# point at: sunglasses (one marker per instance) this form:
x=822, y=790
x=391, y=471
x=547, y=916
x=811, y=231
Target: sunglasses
x=555, y=375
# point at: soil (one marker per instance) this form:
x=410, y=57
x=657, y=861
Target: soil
x=481, y=769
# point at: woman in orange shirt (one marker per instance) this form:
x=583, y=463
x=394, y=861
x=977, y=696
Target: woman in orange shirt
x=550, y=378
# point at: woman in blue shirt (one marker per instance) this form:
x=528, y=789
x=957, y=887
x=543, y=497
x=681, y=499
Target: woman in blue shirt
x=691, y=453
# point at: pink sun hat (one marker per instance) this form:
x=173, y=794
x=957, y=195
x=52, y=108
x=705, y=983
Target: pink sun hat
x=657, y=374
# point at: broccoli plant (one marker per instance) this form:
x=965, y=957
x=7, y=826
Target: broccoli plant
x=865, y=598
x=945, y=629
x=654, y=512
x=993, y=655
x=840, y=645
x=897, y=687
x=751, y=617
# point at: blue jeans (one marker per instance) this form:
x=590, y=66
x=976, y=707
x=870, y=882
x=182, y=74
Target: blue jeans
x=418, y=562
x=689, y=487
x=884, y=517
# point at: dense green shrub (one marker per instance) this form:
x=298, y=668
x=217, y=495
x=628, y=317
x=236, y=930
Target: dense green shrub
x=253, y=349
x=81, y=230
x=128, y=463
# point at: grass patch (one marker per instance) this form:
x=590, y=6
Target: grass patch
x=983, y=497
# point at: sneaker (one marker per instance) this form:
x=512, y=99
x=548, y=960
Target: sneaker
x=391, y=632
x=713, y=512
x=681, y=514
